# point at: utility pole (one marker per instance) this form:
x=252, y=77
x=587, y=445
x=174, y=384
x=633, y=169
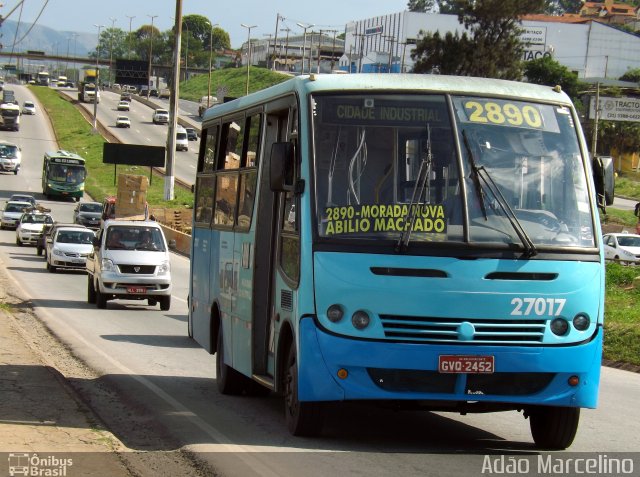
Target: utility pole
x=596, y=117
x=275, y=41
x=210, y=57
x=169, y=179
x=319, y=47
x=286, y=49
x=95, y=96
x=333, y=49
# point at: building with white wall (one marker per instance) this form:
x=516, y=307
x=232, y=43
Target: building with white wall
x=591, y=49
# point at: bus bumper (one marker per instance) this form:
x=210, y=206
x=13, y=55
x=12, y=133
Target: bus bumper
x=378, y=370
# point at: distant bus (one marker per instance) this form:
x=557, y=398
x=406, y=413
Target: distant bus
x=419, y=240
x=42, y=78
x=63, y=175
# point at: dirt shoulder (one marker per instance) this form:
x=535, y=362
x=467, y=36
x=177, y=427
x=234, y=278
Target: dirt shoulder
x=54, y=405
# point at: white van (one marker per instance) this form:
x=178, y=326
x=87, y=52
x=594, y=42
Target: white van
x=130, y=260
x=182, y=140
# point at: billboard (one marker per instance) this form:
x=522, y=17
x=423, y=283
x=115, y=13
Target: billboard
x=616, y=109
x=133, y=154
x=132, y=72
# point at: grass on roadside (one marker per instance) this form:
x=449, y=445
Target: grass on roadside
x=622, y=314
x=75, y=134
x=233, y=79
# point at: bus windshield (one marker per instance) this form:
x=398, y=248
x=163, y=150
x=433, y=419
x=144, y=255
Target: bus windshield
x=71, y=174
x=494, y=173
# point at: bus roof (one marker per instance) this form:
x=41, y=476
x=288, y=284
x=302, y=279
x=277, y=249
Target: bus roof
x=388, y=82
x=65, y=154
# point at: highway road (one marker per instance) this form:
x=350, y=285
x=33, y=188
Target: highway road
x=166, y=390
x=142, y=130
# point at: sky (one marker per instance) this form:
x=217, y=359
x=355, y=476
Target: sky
x=82, y=15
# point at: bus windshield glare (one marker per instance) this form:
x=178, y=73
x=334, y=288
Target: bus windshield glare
x=449, y=169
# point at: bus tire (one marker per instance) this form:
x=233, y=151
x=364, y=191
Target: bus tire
x=229, y=381
x=554, y=428
x=303, y=419
x=91, y=291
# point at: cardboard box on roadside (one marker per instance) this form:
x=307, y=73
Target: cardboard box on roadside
x=131, y=198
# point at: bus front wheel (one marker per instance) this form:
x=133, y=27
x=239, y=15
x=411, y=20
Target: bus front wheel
x=303, y=419
x=554, y=428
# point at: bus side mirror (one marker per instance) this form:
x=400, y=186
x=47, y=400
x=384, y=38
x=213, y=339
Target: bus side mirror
x=604, y=178
x=281, y=167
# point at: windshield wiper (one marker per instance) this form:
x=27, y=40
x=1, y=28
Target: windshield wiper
x=418, y=190
x=481, y=175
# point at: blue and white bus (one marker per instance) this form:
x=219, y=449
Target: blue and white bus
x=407, y=238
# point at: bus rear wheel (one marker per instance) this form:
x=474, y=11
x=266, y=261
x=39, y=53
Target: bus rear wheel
x=554, y=428
x=303, y=419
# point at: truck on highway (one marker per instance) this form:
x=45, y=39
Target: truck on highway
x=10, y=116
x=88, y=91
x=42, y=78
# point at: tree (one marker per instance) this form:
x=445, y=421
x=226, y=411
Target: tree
x=220, y=39
x=549, y=72
x=423, y=6
x=112, y=44
x=632, y=75
x=451, y=7
x=489, y=47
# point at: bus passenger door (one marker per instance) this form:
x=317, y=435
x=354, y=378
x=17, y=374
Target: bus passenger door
x=265, y=324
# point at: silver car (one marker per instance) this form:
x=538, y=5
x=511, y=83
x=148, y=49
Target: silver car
x=129, y=260
x=69, y=248
x=12, y=212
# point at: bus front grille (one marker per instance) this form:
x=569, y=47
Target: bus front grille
x=485, y=331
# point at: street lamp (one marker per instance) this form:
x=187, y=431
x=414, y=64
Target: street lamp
x=248, y=27
x=150, y=52
x=95, y=95
x=113, y=21
x=304, y=45
x=186, y=53
x=210, y=57
x=75, y=66
x=129, y=39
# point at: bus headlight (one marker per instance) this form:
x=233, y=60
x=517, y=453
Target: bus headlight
x=335, y=313
x=581, y=322
x=559, y=326
x=360, y=320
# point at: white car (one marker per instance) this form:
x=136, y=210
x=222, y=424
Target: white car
x=31, y=226
x=12, y=212
x=622, y=247
x=123, y=122
x=10, y=157
x=160, y=116
x=124, y=106
x=69, y=248
x=28, y=107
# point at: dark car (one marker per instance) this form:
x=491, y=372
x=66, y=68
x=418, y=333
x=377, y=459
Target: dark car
x=153, y=92
x=192, y=134
x=125, y=96
x=88, y=214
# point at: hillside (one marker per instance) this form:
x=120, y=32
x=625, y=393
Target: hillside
x=234, y=79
